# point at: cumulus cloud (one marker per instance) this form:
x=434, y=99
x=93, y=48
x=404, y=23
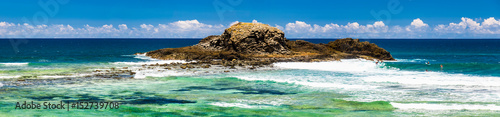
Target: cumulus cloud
x=418, y=23
x=123, y=27
x=298, y=27
x=466, y=28
x=303, y=29
x=233, y=23
x=255, y=21
x=178, y=29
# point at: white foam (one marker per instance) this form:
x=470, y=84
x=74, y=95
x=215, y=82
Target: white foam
x=423, y=106
x=308, y=82
x=15, y=64
x=7, y=77
x=371, y=72
x=412, y=60
x=151, y=62
x=240, y=105
x=48, y=76
x=349, y=65
x=367, y=81
x=1, y=85
x=144, y=57
x=155, y=73
x=433, y=78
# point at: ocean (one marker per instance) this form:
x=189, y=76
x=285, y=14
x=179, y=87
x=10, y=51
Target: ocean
x=467, y=84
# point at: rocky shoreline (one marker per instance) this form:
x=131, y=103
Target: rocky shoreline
x=192, y=68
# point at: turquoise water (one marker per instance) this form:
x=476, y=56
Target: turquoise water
x=468, y=84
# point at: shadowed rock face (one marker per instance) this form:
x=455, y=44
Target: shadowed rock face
x=250, y=38
x=353, y=46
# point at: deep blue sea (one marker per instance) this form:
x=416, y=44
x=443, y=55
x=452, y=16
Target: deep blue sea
x=467, y=84
x=467, y=56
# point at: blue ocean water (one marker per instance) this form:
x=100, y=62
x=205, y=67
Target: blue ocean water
x=466, y=56
x=83, y=50
x=467, y=85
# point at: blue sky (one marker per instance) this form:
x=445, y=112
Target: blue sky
x=212, y=15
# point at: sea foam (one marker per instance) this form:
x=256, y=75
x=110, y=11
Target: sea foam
x=15, y=64
x=371, y=72
x=7, y=77
x=240, y=105
x=424, y=106
x=154, y=72
x=149, y=60
x=369, y=81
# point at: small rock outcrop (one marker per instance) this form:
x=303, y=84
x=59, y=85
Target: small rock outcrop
x=354, y=46
x=248, y=38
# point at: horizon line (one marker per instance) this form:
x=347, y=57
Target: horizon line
x=204, y=37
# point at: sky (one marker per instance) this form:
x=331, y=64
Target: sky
x=298, y=19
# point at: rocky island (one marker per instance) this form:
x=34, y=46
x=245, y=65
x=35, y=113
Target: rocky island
x=257, y=44
x=243, y=46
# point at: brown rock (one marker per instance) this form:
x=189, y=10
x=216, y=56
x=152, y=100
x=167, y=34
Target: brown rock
x=248, y=38
x=353, y=46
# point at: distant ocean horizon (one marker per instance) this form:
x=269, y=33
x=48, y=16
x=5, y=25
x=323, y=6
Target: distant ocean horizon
x=469, y=79
x=285, y=37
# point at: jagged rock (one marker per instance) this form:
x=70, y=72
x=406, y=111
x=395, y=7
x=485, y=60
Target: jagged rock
x=255, y=38
x=205, y=66
x=354, y=46
x=304, y=46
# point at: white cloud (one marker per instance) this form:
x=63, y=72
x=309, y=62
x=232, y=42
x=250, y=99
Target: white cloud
x=491, y=22
x=418, y=23
x=6, y=24
x=416, y=27
x=470, y=27
x=298, y=27
x=379, y=24
x=255, y=21
x=491, y=26
x=303, y=29
x=147, y=27
x=122, y=27
x=184, y=29
x=466, y=28
x=189, y=25
x=279, y=27
x=233, y=23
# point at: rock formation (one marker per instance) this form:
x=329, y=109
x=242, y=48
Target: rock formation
x=353, y=46
x=256, y=44
x=249, y=38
